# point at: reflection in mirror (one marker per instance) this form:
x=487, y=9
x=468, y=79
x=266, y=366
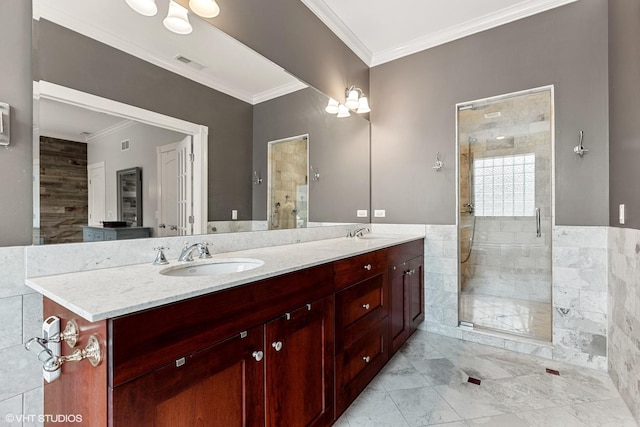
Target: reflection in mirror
x=130, y=197
x=104, y=49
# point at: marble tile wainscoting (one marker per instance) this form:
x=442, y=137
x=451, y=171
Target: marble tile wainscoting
x=624, y=314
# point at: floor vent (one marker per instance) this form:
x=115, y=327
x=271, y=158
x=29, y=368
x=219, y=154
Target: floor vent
x=553, y=372
x=474, y=381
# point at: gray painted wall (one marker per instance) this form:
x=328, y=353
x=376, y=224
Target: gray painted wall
x=624, y=114
x=15, y=89
x=413, y=112
x=338, y=150
x=70, y=59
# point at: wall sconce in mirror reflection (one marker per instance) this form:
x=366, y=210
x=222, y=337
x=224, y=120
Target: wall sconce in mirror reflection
x=439, y=164
x=315, y=176
x=356, y=101
x=5, y=121
x=177, y=19
x=257, y=179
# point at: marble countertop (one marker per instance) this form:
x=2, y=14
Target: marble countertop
x=101, y=294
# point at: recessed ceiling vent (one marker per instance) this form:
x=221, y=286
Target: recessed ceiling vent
x=124, y=145
x=190, y=62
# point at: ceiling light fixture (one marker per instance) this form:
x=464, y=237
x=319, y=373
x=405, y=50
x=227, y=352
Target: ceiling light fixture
x=143, y=7
x=177, y=19
x=205, y=8
x=355, y=101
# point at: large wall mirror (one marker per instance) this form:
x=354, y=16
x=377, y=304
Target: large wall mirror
x=115, y=90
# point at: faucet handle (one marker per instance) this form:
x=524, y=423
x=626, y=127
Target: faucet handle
x=204, y=250
x=160, y=258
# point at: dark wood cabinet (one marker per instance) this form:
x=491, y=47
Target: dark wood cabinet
x=406, y=283
x=292, y=350
x=299, y=366
x=221, y=385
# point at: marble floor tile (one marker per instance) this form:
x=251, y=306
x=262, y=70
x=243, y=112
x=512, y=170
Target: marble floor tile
x=520, y=393
x=423, y=406
x=440, y=371
x=399, y=373
x=374, y=409
x=605, y=413
x=470, y=400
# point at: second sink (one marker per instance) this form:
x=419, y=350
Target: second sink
x=213, y=267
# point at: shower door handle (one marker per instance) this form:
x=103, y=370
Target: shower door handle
x=538, y=230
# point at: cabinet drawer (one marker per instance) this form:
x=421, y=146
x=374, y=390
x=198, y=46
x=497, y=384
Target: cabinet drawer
x=358, y=308
x=355, y=269
x=359, y=363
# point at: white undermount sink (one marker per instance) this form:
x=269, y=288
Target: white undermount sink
x=213, y=267
x=373, y=237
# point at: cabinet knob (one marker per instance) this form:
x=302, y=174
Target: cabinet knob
x=366, y=306
x=277, y=345
x=258, y=355
x=366, y=359
x=367, y=267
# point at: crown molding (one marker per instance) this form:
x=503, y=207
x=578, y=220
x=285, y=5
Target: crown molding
x=50, y=13
x=120, y=126
x=276, y=92
x=492, y=20
x=339, y=28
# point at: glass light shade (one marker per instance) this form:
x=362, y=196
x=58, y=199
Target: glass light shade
x=363, y=105
x=177, y=19
x=343, y=111
x=352, y=100
x=143, y=7
x=333, y=107
x=205, y=8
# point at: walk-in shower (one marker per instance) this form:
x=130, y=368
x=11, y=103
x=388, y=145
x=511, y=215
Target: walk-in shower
x=504, y=216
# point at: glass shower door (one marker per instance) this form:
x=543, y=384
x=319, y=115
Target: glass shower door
x=504, y=222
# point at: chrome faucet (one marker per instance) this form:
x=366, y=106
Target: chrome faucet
x=358, y=233
x=187, y=252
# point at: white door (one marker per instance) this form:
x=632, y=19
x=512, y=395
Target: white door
x=184, y=156
x=96, y=177
x=167, y=191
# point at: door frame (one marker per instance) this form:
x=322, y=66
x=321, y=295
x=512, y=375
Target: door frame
x=97, y=165
x=199, y=133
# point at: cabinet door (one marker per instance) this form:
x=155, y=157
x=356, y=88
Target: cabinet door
x=299, y=367
x=221, y=385
x=416, y=292
x=400, y=279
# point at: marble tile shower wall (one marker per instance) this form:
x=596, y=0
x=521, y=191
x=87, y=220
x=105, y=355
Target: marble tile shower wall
x=580, y=295
x=624, y=314
x=20, y=316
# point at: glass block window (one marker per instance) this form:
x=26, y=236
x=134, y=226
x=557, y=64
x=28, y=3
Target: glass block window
x=505, y=185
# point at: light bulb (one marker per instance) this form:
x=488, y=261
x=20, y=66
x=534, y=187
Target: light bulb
x=363, y=105
x=205, y=8
x=352, y=100
x=333, y=107
x=143, y=7
x=343, y=112
x=177, y=19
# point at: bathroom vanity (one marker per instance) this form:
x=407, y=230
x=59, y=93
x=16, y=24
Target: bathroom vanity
x=290, y=343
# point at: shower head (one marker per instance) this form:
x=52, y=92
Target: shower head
x=473, y=139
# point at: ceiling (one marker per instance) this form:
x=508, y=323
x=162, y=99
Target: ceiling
x=381, y=31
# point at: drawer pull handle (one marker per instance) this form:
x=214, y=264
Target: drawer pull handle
x=366, y=359
x=258, y=355
x=367, y=267
x=277, y=345
x=366, y=306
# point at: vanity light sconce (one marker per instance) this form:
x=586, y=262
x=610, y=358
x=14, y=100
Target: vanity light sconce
x=315, y=176
x=439, y=164
x=579, y=149
x=177, y=19
x=355, y=101
x=5, y=121
x=256, y=178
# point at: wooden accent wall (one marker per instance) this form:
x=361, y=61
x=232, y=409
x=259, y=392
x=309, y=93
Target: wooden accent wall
x=64, y=190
